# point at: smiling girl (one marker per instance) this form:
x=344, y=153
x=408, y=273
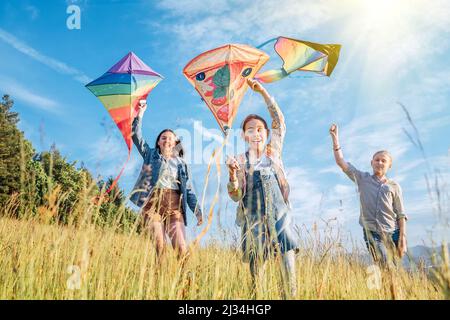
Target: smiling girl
x=163, y=189
x=258, y=183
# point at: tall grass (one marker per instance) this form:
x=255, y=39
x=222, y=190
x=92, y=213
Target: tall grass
x=85, y=259
x=42, y=260
x=439, y=195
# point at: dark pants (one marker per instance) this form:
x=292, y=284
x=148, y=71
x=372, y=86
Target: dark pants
x=382, y=246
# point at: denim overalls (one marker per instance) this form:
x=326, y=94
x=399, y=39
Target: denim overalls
x=268, y=226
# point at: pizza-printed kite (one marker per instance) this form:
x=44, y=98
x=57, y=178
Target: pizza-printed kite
x=219, y=76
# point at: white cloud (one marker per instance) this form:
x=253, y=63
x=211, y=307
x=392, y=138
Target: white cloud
x=316, y=204
x=427, y=98
x=305, y=194
x=332, y=169
x=399, y=40
x=395, y=41
x=52, y=63
x=19, y=92
x=364, y=135
x=33, y=11
x=224, y=21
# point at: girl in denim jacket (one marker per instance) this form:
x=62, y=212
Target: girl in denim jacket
x=163, y=189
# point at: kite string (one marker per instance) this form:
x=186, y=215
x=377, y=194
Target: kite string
x=113, y=184
x=216, y=154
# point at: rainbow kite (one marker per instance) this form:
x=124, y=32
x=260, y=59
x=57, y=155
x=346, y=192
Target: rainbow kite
x=299, y=55
x=120, y=90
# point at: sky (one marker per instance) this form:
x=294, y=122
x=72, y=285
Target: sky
x=393, y=53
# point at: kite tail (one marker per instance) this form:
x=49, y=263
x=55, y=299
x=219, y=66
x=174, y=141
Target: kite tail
x=271, y=75
x=267, y=42
x=118, y=177
x=216, y=155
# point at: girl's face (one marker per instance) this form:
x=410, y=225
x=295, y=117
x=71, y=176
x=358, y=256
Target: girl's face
x=255, y=134
x=167, y=141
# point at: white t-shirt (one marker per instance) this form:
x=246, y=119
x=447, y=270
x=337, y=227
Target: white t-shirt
x=168, y=176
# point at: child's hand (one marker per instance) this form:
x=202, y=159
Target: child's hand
x=199, y=220
x=142, y=104
x=402, y=246
x=142, y=107
x=233, y=166
x=255, y=85
x=334, y=132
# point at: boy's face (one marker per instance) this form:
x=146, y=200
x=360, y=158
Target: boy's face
x=255, y=134
x=381, y=163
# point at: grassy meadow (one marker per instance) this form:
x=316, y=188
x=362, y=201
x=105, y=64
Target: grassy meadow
x=45, y=260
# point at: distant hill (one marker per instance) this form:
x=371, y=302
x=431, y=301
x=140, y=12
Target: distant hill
x=423, y=254
x=416, y=256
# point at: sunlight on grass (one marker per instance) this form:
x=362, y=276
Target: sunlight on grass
x=85, y=261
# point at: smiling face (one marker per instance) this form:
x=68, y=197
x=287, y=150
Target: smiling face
x=167, y=142
x=381, y=163
x=255, y=134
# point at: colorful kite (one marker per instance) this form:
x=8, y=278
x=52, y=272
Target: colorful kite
x=120, y=90
x=219, y=76
x=299, y=55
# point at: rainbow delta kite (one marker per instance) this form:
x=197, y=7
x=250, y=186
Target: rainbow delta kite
x=120, y=90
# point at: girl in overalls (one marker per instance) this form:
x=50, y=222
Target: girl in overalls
x=258, y=183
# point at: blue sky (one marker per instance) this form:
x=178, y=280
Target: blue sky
x=392, y=51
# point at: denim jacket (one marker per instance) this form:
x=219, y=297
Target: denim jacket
x=236, y=190
x=150, y=171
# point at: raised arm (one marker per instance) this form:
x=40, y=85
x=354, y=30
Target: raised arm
x=337, y=151
x=138, y=140
x=278, y=124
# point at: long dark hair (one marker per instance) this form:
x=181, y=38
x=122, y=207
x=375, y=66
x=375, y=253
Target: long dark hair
x=178, y=145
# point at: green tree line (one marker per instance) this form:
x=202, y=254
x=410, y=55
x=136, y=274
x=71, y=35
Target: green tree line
x=40, y=181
